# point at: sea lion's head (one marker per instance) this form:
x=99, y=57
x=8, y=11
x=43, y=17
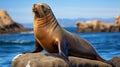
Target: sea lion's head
x=43, y=16
x=41, y=10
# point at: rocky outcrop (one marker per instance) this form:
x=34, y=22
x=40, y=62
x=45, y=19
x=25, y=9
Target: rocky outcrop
x=117, y=20
x=98, y=26
x=41, y=60
x=7, y=25
x=95, y=25
x=116, y=61
x=83, y=27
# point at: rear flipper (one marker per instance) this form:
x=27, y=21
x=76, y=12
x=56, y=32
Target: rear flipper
x=38, y=48
x=108, y=62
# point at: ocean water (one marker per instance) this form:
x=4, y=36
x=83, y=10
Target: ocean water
x=106, y=44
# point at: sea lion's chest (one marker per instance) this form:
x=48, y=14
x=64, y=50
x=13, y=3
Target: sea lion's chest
x=47, y=41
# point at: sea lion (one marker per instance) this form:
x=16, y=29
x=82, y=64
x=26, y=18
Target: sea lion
x=49, y=35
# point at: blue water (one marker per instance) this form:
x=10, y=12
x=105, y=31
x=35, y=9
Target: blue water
x=106, y=44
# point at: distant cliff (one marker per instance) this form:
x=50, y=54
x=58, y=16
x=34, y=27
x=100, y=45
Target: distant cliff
x=7, y=25
x=98, y=26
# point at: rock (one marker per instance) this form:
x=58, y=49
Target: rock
x=90, y=26
x=96, y=25
x=115, y=28
x=107, y=27
x=7, y=25
x=5, y=19
x=110, y=27
x=82, y=27
x=41, y=60
x=116, y=61
x=117, y=20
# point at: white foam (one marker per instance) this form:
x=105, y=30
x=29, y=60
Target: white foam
x=28, y=64
x=31, y=32
x=16, y=57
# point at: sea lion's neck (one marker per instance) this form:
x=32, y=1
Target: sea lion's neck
x=48, y=23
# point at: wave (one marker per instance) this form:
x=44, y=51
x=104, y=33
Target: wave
x=16, y=42
x=31, y=32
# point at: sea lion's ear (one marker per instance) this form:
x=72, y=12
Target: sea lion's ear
x=46, y=6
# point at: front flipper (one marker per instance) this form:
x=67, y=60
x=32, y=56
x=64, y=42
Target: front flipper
x=38, y=48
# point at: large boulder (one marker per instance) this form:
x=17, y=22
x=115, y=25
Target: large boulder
x=116, y=61
x=5, y=19
x=82, y=27
x=41, y=60
x=117, y=20
x=91, y=26
x=96, y=25
x=108, y=27
x=115, y=28
x=7, y=25
x=111, y=27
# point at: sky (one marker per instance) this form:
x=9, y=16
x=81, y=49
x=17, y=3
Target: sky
x=20, y=10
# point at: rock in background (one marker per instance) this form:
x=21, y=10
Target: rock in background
x=98, y=26
x=117, y=20
x=116, y=61
x=7, y=25
x=41, y=60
